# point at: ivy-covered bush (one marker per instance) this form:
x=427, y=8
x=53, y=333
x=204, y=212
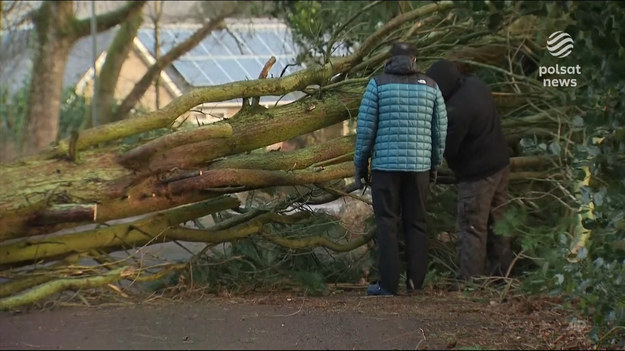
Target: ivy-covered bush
x=592, y=274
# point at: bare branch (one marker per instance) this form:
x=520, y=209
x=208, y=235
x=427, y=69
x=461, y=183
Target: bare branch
x=108, y=20
x=263, y=74
x=144, y=83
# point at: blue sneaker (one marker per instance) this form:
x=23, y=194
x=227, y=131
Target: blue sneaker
x=377, y=290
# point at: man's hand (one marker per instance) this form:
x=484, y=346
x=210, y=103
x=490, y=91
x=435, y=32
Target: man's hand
x=358, y=176
x=358, y=182
x=433, y=175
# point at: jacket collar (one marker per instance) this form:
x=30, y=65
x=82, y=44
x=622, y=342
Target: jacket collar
x=401, y=64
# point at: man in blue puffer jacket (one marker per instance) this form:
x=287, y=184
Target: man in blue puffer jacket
x=402, y=125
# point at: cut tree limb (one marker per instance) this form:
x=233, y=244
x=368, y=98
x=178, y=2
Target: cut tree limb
x=66, y=213
x=152, y=229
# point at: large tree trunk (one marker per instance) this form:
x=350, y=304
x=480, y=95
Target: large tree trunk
x=46, y=87
x=57, y=29
x=109, y=75
x=101, y=178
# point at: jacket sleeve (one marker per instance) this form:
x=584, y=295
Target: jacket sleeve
x=456, y=130
x=439, y=130
x=367, y=126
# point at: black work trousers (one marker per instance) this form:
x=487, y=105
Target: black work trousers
x=399, y=203
x=480, y=206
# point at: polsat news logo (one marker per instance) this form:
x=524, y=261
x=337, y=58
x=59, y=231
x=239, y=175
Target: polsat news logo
x=560, y=45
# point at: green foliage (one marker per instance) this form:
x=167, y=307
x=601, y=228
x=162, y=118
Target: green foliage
x=12, y=114
x=317, y=23
x=255, y=264
x=600, y=50
x=441, y=210
x=593, y=280
x=74, y=108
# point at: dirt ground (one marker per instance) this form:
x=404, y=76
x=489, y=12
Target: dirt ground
x=344, y=319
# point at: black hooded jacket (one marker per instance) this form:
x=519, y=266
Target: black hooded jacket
x=475, y=146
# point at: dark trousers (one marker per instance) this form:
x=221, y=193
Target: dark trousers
x=399, y=203
x=480, y=206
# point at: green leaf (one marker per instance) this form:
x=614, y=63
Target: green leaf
x=598, y=263
x=578, y=121
x=555, y=148
x=582, y=253
x=598, y=198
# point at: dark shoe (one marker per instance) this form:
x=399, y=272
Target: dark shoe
x=377, y=290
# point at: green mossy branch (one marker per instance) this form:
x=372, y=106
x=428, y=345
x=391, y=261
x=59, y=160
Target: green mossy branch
x=297, y=81
x=149, y=230
x=49, y=288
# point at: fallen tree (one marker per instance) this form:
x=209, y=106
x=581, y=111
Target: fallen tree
x=182, y=175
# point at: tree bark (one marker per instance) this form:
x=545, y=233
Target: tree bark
x=158, y=9
x=109, y=74
x=52, y=48
x=1, y=16
x=107, y=20
x=56, y=31
x=28, y=187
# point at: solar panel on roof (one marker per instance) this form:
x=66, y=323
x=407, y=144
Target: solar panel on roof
x=169, y=39
x=218, y=71
x=256, y=45
x=275, y=43
x=210, y=43
x=278, y=67
x=197, y=51
x=228, y=45
x=223, y=57
x=251, y=66
x=189, y=71
x=147, y=39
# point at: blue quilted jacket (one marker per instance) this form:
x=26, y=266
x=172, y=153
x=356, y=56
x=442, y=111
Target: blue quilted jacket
x=402, y=121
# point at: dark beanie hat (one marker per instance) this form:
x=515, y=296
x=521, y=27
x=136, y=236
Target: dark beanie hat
x=406, y=49
x=446, y=75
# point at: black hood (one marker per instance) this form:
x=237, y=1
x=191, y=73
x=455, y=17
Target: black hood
x=446, y=76
x=401, y=64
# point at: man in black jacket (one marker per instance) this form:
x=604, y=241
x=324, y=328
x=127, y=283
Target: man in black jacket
x=477, y=151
